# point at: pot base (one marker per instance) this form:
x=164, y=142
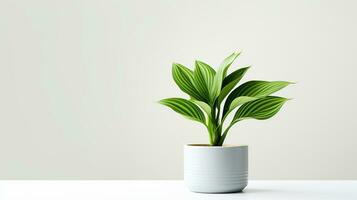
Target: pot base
x=219, y=192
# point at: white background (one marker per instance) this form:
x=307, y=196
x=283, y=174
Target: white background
x=79, y=81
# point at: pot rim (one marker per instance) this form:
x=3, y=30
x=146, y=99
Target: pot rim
x=209, y=146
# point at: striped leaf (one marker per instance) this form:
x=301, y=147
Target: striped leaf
x=203, y=105
x=185, y=108
x=221, y=74
x=230, y=82
x=253, y=89
x=263, y=108
x=184, y=79
x=203, y=79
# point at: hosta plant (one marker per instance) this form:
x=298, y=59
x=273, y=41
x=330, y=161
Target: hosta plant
x=213, y=95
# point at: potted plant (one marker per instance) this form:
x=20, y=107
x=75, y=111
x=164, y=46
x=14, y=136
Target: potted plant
x=213, y=95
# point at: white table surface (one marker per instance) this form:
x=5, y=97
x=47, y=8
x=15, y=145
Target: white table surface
x=172, y=190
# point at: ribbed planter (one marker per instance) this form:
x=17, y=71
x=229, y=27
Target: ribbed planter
x=215, y=169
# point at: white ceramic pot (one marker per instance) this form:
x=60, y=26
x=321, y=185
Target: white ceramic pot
x=215, y=169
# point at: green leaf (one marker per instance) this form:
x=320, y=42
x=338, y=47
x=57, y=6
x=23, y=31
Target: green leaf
x=185, y=108
x=255, y=89
x=203, y=105
x=203, y=79
x=263, y=108
x=230, y=82
x=221, y=74
x=184, y=79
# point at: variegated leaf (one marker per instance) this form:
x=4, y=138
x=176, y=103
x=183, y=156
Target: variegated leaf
x=185, y=108
x=184, y=79
x=230, y=82
x=221, y=74
x=263, y=108
x=203, y=79
x=203, y=105
x=253, y=89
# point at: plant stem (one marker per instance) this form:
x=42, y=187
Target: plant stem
x=223, y=137
x=218, y=114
